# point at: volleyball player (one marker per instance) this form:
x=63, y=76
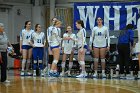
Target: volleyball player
x=38, y=42
x=68, y=49
x=82, y=46
x=55, y=42
x=50, y=55
x=101, y=42
x=25, y=47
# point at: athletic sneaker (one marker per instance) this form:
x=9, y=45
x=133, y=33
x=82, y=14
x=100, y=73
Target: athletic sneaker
x=95, y=76
x=22, y=73
x=29, y=73
x=6, y=81
x=69, y=73
x=34, y=73
x=122, y=76
x=129, y=76
x=62, y=73
x=42, y=73
x=52, y=74
x=82, y=75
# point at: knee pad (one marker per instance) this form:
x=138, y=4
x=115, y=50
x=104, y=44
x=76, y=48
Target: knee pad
x=23, y=60
x=39, y=61
x=55, y=62
x=50, y=59
x=63, y=64
x=35, y=61
x=103, y=60
x=28, y=60
x=96, y=59
x=82, y=62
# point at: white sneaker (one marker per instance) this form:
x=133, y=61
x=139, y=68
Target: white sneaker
x=128, y=76
x=103, y=75
x=6, y=81
x=62, y=73
x=122, y=76
x=82, y=75
x=22, y=73
x=42, y=73
x=29, y=73
x=95, y=76
x=45, y=70
x=69, y=73
x=34, y=73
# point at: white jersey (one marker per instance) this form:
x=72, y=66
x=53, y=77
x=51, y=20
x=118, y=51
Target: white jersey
x=38, y=39
x=99, y=37
x=25, y=36
x=49, y=30
x=68, y=44
x=81, y=38
x=138, y=44
x=54, y=37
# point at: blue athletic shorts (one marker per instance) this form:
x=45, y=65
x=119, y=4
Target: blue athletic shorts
x=27, y=47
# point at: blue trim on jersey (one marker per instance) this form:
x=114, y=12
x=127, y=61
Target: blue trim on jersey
x=38, y=53
x=84, y=33
x=100, y=47
x=27, y=47
x=52, y=47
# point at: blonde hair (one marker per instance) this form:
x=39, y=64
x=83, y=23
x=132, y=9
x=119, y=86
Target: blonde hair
x=57, y=22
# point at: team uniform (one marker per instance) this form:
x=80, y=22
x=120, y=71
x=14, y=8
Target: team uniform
x=54, y=38
x=49, y=33
x=100, y=37
x=68, y=45
x=81, y=41
x=81, y=38
x=38, y=50
x=25, y=36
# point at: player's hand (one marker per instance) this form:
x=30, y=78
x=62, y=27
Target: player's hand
x=108, y=48
x=21, y=50
x=81, y=50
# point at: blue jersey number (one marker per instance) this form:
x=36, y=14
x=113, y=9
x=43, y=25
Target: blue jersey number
x=99, y=33
x=38, y=40
x=27, y=37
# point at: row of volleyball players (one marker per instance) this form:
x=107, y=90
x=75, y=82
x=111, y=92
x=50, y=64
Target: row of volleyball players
x=36, y=39
x=99, y=38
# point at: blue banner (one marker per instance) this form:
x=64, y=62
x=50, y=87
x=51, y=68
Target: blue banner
x=115, y=15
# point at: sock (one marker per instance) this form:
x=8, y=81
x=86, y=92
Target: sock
x=70, y=65
x=95, y=72
x=23, y=64
x=103, y=71
x=63, y=66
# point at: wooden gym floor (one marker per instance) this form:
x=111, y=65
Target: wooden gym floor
x=66, y=85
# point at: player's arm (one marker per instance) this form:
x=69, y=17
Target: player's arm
x=21, y=41
x=31, y=42
x=83, y=38
x=44, y=40
x=108, y=39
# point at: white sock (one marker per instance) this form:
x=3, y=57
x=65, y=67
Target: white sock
x=103, y=71
x=95, y=72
